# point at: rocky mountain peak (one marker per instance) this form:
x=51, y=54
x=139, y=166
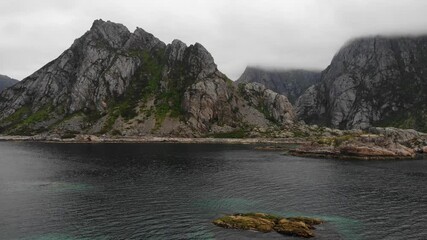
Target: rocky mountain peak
x=201, y=60
x=380, y=81
x=142, y=40
x=176, y=50
x=114, y=81
x=114, y=34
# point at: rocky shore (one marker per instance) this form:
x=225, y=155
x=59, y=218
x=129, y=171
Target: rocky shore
x=150, y=139
x=292, y=226
x=375, y=143
x=303, y=140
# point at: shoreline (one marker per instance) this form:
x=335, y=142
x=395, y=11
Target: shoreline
x=362, y=148
x=151, y=139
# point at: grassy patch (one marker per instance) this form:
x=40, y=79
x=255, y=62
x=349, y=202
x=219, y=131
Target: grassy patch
x=271, y=217
x=234, y=134
x=108, y=125
x=335, y=141
x=410, y=120
x=17, y=116
x=41, y=115
x=68, y=135
x=300, y=133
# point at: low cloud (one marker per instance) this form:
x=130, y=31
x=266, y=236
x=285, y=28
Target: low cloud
x=269, y=33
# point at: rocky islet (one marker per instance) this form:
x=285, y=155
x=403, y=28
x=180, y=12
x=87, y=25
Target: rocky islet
x=292, y=226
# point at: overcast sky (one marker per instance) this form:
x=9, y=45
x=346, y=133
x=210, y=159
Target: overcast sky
x=269, y=33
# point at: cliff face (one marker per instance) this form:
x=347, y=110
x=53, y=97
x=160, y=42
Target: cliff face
x=372, y=81
x=291, y=83
x=113, y=81
x=6, y=82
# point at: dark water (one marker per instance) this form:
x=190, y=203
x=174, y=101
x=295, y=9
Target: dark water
x=174, y=191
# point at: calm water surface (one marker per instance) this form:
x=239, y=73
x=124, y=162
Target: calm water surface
x=174, y=191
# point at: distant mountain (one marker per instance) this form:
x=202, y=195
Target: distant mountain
x=380, y=81
x=6, y=82
x=291, y=83
x=113, y=81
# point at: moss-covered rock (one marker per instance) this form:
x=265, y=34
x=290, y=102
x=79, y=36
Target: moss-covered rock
x=293, y=226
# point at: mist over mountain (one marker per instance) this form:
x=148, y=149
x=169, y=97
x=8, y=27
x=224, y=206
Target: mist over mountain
x=6, y=82
x=372, y=81
x=291, y=83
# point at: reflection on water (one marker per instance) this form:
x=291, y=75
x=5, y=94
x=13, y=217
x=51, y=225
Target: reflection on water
x=174, y=191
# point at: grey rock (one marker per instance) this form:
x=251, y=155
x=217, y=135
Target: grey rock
x=112, y=81
x=275, y=106
x=376, y=81
x=6, y=82
x=398, y=135
x=291, y=83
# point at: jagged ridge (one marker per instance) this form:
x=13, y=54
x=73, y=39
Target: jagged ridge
x=117, y=82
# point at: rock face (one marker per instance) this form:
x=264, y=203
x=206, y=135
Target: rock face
x=291, y=83
x=293, y=226
x=275, y=107
x=113, y=81
x=6, y=82
x=377, y=81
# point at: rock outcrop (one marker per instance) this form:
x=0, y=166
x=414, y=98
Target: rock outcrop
x=359, y=146
x=293, y=226
x=275, y=107
x=6, y=82
x=291, y=83
x=376, y=81
x=113, y=81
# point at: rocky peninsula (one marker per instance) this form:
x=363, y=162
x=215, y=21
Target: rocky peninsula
x=299, y=140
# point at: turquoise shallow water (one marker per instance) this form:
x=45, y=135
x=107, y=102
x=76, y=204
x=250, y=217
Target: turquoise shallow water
x=174, y=191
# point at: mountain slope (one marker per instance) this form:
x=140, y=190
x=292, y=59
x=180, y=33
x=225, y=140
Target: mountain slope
x=6, y=82
x=372, y=81
x=291, y=83
x=112, y=81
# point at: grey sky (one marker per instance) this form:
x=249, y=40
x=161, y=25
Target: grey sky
x=269, y=33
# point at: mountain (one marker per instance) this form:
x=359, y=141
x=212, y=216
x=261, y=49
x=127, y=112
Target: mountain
x=374, y=81
x=291, y=83
x=6, y=82
x=113, y=81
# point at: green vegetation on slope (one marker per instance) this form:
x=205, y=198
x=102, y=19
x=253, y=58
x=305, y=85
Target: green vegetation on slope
x=408, y=120
x=145, y=85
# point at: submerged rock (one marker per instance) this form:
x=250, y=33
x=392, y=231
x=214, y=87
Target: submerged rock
x=293, y=226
